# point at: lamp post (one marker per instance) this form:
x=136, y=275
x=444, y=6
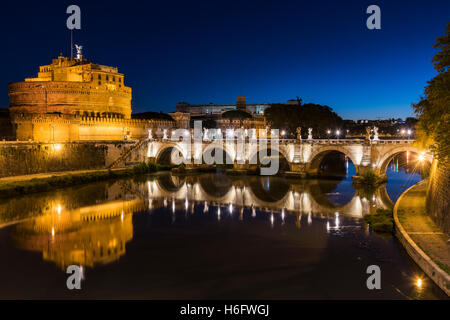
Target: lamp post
x=338, y=132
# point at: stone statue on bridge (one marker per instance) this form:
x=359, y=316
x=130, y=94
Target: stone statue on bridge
x=150, y=136
x=310, y=137
x=165, y=134
x=368, y=134
x=268, y=131
x=375, y=134
x=205, y=134
x=299, y=133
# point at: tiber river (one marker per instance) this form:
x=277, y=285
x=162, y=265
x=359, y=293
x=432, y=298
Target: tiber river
x=208, y=236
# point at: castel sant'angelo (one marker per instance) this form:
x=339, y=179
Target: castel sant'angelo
x=73, y=99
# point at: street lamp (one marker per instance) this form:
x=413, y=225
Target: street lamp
x=409, y=133
x=338, y=132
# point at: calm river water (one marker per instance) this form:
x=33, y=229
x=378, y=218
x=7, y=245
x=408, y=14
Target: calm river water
x=207, y=236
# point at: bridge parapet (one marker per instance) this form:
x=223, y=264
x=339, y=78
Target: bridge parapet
x=303, y=157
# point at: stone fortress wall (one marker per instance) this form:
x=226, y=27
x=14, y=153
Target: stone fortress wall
x=66, y=128
x=438, y=195
x=22, y=158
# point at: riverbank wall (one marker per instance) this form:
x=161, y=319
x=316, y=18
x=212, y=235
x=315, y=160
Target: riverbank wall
x=22, y=158
x=424, y=243
x=438, y=195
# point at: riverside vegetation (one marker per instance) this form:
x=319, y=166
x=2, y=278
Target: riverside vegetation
x=382, y=221
x=17, y=188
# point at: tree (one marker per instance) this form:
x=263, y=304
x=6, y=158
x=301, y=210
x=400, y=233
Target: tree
x=309, y=115
x=433, y=109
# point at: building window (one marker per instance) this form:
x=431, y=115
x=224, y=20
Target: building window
x=99, y=77
x=107, y=78
x=99, y=83
x=114, y=78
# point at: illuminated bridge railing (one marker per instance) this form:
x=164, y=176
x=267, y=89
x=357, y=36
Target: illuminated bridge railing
x=342, y=141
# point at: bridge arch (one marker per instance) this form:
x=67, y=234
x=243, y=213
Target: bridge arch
x=164, y=155
x=383, y=162
x=318, y=156
x=284, y=164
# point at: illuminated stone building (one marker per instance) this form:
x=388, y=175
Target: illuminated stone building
x=73, y=99
x=73, y=87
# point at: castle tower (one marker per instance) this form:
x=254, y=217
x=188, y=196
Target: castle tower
x=72, y=87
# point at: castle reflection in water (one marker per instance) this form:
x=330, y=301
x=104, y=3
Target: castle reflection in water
x=91, y=225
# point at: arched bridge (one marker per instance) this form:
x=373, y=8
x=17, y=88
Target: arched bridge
x=302, y=157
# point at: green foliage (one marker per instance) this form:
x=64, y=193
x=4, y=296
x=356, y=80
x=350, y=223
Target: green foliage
x=149, y=167
x=236, y=114
x=369, y=178
x=181, y=168
x=309, y=115
x=209, y=124
x=382, y=221
x=433, y=128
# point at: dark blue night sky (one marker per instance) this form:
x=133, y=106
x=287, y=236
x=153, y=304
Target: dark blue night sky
x=213, y=51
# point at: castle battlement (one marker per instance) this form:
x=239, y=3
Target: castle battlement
x=75, y=87
x=76, y=100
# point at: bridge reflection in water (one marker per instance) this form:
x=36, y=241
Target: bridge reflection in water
x=271, y=194
x=91, y=225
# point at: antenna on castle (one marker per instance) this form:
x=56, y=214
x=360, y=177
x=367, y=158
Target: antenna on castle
x=71, y=44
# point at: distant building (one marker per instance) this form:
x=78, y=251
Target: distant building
x=214, y=111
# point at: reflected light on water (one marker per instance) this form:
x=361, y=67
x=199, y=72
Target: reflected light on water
x=85, y=229
x=81, y=273
x=419, y=283
x=337, y=220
